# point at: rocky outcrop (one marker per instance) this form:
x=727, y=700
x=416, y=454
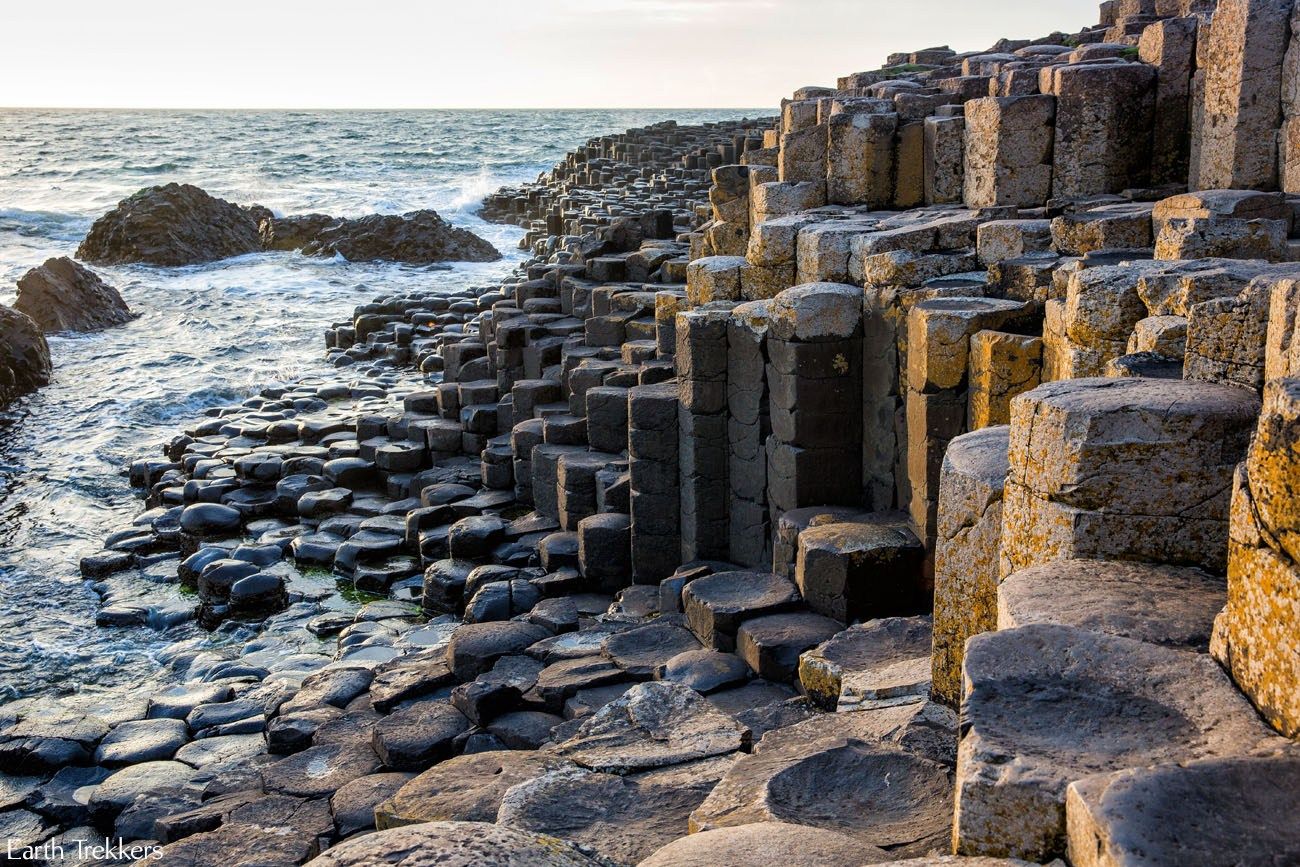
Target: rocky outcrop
x=417, y=238
x=175, y=224
x=24, y=355
x=63, y=295
x=180, y=224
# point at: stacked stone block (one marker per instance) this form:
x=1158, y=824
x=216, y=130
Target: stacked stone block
x=652, y=449
x=702, y=377
x=814, y=375
x=1123, y=469
x=748, y=426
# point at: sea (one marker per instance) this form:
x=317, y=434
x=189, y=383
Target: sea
x=206, y=335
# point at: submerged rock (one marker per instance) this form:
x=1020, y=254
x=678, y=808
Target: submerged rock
x=63, y=295
x=24, y=355
x=175, y=224
x=417, y=238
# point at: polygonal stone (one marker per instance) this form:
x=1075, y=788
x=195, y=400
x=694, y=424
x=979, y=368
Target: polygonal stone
x=465, y=788
x=652, y=725
x=840, y=671
x=1239, y=809
x=717, y=604
x=1165, y=605
x=623, y=818
x=1046, y=705
x=765, y=843
x=455, y=844
x=771, y=644
x=853, y=571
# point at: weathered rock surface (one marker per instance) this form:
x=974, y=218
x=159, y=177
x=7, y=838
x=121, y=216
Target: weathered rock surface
x=24, y=355
x=1046, y=705
x=175, y=224
x=417, y=238
x=63, y=295
x=764, y=843
x=455, y=844
x=652, y=725
x=463, y=789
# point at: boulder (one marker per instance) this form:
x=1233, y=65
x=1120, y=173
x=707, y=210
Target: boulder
x=417, y=238
x=293, y=233
x=1046, y=705
x=1237, y=810
x=24, y=355
x=175, y=224
x=63, y=295
x=455, y=844
x=762, y=844
x=652, y=725
x=623, y=818
x=466, y=788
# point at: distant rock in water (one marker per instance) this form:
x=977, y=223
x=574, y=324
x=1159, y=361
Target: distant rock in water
x=24, y=355
x=175, y=224
x=63, y=295
x=180, y=224
x=293, y=233
x=418, y=238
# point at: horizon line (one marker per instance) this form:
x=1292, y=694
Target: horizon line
x=386, y=108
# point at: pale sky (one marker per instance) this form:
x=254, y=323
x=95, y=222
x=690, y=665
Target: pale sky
x=477, y=53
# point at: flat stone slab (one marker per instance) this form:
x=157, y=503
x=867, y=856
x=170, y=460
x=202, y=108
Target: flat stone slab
x=455, y=844
x=319, y=771
x=118, y=791
x=717, y=604
x=463, y=789
x=771, y=644
x=623, y=818
x=1046, y=705
x=353, y=805
x=763, y=844
x=705, y=671
x=640, y=651
x=865, y=655
x=1213, y=811
x=652, y=725
x=1165, y=605
x=146, y=740
x=876, y=792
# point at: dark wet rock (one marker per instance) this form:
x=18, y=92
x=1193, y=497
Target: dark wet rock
x=21, y=829
x=524, y=729
x=652, y=725
x=562, y=680
x=63, y=295
x=175, y=224
x=475, y=647
x=143, y=740
x=116, y=793
x=292, y=233
x=705, y=671
x=417, y=238
x=405, y=679
x=353, y=805
x=291, y=732
x=139, y=819
x=319, y=771
x=49, y=740
x=455, y=844
x=640, y=651
x=209, y=752
x=623, y=818
x=413, y=738
x=465, y=788
x=65, y=797
x=335, y=687
x=179, y=701
x=24, y=355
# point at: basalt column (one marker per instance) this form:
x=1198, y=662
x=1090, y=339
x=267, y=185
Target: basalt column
x=1255, y=635
x=701, y=358
x=814, y=375
x=652, y=462
x=748, y=425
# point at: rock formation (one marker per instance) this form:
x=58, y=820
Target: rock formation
x=945, y=389
x=63, y=295
x=24, y=355
x=180, y=224
x=175, y=224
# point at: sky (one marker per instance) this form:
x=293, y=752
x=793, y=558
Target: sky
x=477, y=53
